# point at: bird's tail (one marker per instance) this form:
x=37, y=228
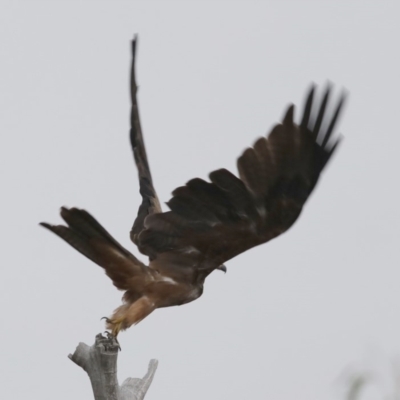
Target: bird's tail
x=86, y=235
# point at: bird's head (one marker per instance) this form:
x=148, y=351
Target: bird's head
x=222, y=268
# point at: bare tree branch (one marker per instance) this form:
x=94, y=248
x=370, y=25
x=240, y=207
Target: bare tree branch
x=100, y=363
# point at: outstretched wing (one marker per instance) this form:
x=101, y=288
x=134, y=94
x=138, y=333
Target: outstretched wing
x=150, y=203
x=86, y=235
x=212, y=222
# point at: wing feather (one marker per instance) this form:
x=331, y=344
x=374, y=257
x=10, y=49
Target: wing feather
x=229, y=215
x=150, y=203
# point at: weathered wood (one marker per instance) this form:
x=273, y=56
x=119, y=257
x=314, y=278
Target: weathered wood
x=100, y=363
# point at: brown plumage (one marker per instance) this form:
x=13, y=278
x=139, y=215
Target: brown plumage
x=209, y=222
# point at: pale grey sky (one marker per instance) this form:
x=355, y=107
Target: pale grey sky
x=289, y=316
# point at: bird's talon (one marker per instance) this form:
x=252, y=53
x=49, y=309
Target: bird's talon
x=113, y=338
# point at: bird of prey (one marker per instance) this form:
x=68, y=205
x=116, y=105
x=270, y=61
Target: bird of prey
x=209, y=222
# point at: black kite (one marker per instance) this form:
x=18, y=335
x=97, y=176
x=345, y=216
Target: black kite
x=209, y=222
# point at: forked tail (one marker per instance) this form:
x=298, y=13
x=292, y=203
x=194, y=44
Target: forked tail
x=86, y=235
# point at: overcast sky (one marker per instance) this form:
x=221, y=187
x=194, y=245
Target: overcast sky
x=290, y=317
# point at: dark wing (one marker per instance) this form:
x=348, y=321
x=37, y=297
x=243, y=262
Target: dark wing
x=150, y=203
x=87, y=236
x=209, y=223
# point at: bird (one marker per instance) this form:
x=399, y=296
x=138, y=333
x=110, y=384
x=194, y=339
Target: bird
x=209, y=222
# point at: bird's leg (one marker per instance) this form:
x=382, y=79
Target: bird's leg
x=115, y=328
x=114, y=324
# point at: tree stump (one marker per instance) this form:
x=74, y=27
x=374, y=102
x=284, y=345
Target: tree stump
x=100, y=363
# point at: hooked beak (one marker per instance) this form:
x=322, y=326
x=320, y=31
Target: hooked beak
x=222, y=268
